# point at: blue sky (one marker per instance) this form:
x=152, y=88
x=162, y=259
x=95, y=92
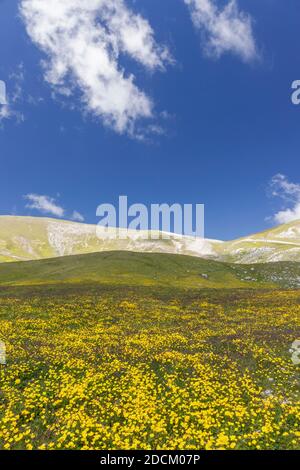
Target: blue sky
x=210, y=120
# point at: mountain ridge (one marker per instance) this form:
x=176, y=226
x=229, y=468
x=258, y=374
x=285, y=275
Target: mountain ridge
x=26, y=238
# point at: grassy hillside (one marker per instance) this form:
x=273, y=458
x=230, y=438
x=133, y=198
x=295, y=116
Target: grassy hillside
x=281, y=243
x=149, y=269
x=125, y=350
x=30, y=238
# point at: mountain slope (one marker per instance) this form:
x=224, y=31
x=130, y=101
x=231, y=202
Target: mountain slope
x=149, y=269
x=30, y=238
x=281, y=243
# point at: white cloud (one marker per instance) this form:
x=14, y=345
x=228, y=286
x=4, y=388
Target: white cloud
x=8, y=112
x=83, y=42
x=224, y=29
x=288, y=215
x=9, y=100
x=44, y=204
x=77, y=216
x=17, y=77
x=289, y=193
x=5, y=112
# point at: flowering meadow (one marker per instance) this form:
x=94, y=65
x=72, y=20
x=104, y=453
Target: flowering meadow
x=113, y=367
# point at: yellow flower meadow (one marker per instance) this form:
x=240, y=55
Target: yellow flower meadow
x=91, y=367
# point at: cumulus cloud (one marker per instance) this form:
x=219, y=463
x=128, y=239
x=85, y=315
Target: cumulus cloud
x=44, y=204
x=84, y=42
x=224, y=29
x=77, y=217
x=289, y=193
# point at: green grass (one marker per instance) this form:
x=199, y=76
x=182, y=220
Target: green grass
x=122, y=350
x=149, y=269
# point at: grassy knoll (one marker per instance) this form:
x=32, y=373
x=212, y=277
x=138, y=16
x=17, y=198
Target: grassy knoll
x=150, y=269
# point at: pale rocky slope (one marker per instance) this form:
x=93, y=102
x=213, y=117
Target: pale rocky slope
x=281, y=243
x=29, y=238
